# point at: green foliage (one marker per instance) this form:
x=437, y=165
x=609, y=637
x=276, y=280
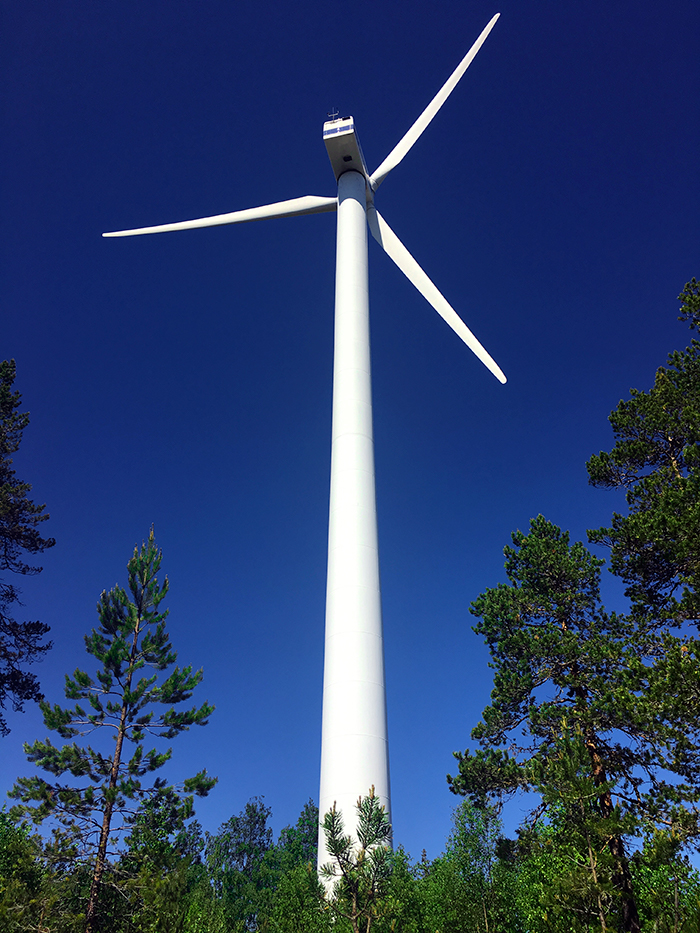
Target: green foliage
x=669, y=888
x=470, y=886
x=599, y=713
x=690, y=304
x=555, y=891
x=291, y=890
x=359, y=871
x=405, y=898
x=150, y=901
x=235, y=859
x=21, y=876
x=35, y=894
x=570, y=868
x=241, y=843
x=159, y=834
x=20, y=642
x=542, y=882
x=131, y=637
x=295, y=904
x=557, y=656
x=203, y=911
x=116, y=704
x=564, y=667
x=655, y=548
x=298, y=844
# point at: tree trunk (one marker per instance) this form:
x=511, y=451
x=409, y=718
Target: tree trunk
x=622, y=879
x=591, y=861
x=101, y=859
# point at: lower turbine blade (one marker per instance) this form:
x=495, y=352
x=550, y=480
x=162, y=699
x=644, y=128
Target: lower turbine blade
x=294, y=208
x=390, y=243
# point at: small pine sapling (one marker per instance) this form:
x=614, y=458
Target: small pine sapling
x=359, y=873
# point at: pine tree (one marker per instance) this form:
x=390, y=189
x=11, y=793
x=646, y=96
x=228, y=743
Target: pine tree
x=561, y=664
x=131, y=636
x=609, y=705
x=360, y=870
x=20, y=642
x=655, y=548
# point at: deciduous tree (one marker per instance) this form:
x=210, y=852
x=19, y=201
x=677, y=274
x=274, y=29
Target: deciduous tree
x=298, y=844
x=235, y=859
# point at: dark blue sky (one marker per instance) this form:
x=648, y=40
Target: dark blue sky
x=185, y=379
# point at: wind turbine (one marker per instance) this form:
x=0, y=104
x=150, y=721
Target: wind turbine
x=354, y=747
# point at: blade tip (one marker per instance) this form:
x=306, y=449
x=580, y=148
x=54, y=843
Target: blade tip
x=496, y=371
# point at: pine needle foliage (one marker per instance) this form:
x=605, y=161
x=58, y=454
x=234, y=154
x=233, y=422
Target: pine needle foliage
x=360, y=870
x=116, y=704
x=20, y=642
x=655, y=548
x=598, y=712
x=562, y=665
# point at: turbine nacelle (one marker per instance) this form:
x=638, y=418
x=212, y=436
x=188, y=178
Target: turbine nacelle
x=343, y=147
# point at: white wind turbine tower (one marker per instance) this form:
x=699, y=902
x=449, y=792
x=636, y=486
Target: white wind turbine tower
x=354, y=752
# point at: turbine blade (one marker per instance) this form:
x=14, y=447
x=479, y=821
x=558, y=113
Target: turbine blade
x=400, y=150
x=294, y=208
x=390, y=243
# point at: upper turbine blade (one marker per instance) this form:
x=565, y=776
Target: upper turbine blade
x=400, y=150
x=307, y=205
x=390, y=243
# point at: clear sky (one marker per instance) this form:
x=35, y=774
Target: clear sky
x=184, y=379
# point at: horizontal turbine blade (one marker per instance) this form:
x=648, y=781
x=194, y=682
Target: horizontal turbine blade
x=390, y=243
x=400, y=150
x=294, y=208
